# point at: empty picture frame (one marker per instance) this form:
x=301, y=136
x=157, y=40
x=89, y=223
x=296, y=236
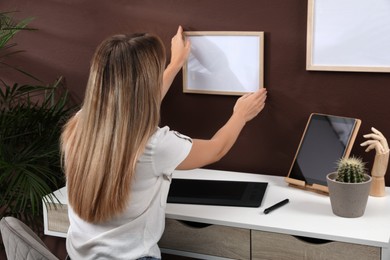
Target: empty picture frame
x=225, y=63
x=344, y=35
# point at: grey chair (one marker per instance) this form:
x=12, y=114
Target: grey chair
x=21, y=242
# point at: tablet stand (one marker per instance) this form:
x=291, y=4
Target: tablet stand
x=318, y=136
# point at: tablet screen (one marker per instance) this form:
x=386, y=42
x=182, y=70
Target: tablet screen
x=216, y=192
x=326, y=139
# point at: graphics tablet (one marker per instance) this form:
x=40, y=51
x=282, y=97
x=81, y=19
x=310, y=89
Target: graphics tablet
x=215, y=192
x=326, y=139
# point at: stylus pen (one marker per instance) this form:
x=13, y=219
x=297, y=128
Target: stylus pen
x=277, y=205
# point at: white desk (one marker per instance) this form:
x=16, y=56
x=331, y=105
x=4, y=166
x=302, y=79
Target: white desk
x=308, y=214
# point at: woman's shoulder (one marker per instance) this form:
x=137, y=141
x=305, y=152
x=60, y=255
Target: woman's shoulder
x=166, y=132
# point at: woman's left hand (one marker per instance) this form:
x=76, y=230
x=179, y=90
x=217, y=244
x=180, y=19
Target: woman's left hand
x=180, y=49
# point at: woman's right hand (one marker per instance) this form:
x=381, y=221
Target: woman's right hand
x=250, y=105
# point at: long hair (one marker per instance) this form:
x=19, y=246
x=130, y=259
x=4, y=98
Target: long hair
x=121, y=110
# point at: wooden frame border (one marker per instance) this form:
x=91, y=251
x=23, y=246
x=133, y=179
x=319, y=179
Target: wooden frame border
x=187, y=89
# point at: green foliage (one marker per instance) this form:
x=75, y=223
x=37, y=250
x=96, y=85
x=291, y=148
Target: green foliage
x=351, y=170
x=8, y=29
x=31, y=119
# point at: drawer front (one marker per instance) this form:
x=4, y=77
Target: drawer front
x=57, y=217
x=213, y=240
x=267, y=245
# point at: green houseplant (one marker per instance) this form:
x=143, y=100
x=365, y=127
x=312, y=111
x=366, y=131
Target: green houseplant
x=31, y=119
x=349, y=188
x=8, y=29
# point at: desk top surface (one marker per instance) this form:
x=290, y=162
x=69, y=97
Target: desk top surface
x=307, y=214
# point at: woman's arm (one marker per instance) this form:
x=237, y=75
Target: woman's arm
x=204, y=152
x=180, y=49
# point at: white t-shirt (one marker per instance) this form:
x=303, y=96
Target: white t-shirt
x=134, y=233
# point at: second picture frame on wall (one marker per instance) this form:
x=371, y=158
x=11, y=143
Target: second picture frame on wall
x=348, y=35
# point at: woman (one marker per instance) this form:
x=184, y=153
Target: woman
x=118, y=162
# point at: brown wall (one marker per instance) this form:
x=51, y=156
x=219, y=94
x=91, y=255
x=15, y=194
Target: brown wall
x=69, y=31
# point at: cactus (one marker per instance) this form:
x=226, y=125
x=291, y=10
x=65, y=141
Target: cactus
x=351, y=170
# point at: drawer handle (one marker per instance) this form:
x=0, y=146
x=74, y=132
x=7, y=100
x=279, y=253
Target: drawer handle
x=311, y=240
x=194, y=224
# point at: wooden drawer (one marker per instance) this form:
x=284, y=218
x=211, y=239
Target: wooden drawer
x=212, y=240
x=267, y=245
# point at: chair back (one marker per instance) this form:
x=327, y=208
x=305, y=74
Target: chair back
x=21, y=242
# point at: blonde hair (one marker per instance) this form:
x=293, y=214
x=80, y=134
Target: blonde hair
x=101, y=143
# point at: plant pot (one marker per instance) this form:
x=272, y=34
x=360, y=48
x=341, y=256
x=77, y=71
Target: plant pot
x=348, y=200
